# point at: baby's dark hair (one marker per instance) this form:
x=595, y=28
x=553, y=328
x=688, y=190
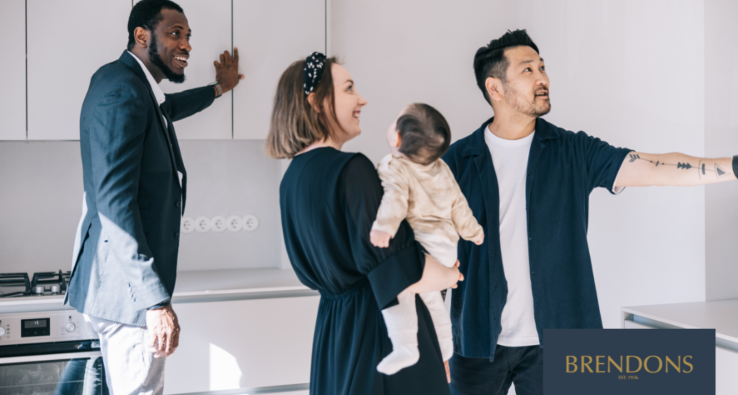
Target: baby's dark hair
x=424, y=134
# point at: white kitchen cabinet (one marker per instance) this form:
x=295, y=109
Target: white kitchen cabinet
x=242, y=344
x=13, y=70
x=67, y=42
x=210, y=22
x=270, y=34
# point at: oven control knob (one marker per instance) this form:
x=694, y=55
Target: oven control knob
x=55, y=289
x=70, y=327
x=39, y=290
x=2, y=331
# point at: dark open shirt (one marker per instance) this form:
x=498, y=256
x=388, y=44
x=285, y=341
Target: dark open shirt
x=563, y=169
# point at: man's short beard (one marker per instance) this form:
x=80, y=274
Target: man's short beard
x=156, y=61
x=531, y=109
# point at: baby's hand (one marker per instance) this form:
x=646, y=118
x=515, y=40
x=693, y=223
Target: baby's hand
x=379, y=238
x=480, y=240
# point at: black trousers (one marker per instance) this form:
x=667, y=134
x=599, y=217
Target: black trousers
x=522, y=366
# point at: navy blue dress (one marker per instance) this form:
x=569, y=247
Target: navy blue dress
x=329, y=200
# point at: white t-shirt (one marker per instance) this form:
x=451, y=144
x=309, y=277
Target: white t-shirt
x=510, y=159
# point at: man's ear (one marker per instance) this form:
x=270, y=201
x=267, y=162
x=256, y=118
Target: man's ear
x=311, y=100
x=142, y=37
x=494, y=89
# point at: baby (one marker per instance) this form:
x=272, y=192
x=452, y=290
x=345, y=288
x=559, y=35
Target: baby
x=419, y=187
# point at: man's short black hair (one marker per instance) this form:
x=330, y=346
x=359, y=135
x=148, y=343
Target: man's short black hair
x=147, y=14
x=490, y=60
x=424, y=134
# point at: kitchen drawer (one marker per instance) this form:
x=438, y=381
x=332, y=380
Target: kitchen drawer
x=244, y=343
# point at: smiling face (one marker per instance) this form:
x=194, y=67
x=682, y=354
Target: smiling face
x=348, y=104
x=170, y=48
x=526, y=90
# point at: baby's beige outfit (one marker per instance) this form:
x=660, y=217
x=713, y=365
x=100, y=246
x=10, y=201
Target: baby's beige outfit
x=431, y=201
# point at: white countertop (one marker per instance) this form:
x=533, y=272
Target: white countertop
x=196, y=286
x=211, y=282
x=721, y=315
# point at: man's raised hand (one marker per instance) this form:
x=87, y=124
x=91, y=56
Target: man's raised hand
x=226, y=72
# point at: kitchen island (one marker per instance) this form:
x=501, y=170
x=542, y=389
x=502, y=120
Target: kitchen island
x=721, y=315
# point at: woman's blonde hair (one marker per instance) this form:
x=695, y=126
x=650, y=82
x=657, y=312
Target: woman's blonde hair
x=295, y=123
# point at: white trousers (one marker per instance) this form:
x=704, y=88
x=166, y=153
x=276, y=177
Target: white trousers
x=130, y=369
x=402, y=319
x=438, y=246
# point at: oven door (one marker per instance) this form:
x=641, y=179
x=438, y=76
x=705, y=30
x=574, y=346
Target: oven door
x=71, y=368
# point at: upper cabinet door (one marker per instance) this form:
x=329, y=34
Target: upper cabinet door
x=13, y=66
x=270, y=35
x=210, y=21
x=67, y=42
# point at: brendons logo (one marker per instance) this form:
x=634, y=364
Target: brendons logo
x=628, y=361
x=629, y=365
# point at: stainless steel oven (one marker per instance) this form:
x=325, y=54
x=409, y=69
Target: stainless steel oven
x=53, y=352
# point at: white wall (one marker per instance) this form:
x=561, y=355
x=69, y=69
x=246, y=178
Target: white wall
x=415, y=51
x=721, y=139
x=629, y=72
x=41, y=202
x=632, y=73
x=13, y=70
x=231, y=178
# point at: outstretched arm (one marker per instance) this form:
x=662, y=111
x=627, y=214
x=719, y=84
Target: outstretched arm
x=184, y=104
x=675, y=169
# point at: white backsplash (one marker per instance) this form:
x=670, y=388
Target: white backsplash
x=41, y=202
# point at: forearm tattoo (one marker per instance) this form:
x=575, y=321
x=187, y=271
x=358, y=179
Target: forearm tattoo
x=702, y=168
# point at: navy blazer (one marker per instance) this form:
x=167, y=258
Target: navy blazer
x=563, y=169
x=128, y=239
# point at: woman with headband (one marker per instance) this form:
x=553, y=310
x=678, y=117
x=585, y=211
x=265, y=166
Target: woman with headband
x=329, y=200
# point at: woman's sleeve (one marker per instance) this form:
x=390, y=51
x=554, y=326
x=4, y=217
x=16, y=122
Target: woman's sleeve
x=390, y=270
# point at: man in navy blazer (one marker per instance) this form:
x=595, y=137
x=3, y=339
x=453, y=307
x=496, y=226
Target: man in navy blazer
x=528, y=184
x=135, y=189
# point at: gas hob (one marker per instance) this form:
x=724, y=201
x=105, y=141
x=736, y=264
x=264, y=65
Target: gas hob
x=17, y=285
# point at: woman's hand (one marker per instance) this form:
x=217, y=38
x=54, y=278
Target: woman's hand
x=379, y=238
x=461, y=276
x=437, y=277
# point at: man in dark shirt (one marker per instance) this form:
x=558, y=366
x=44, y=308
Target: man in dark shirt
x=528, y=184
